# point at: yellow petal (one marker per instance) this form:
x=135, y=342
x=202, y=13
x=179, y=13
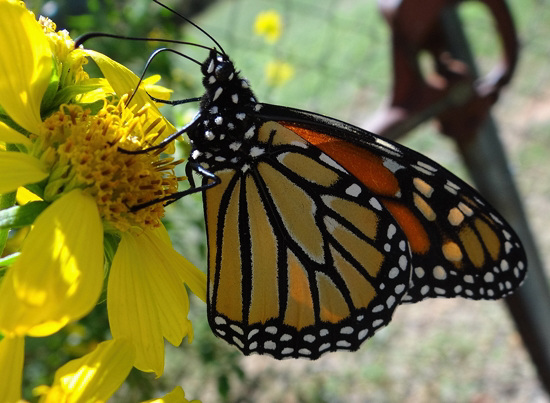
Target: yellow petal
x=157, y=91
x=187, y=271
x=146, y=300
x=93, y=377
x=19, y=169
x=11, y=368
x=25, y=196
x=9, y=135
x=123, y=82
x=59, y=275
x=25, y=65
x=177, y=395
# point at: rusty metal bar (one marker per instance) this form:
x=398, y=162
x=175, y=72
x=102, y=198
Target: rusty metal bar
x=530, y=304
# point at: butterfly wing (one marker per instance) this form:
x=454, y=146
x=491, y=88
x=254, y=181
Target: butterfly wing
x=301, y=259
x=460, y=245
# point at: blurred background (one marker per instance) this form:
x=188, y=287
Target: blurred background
x=331, y=57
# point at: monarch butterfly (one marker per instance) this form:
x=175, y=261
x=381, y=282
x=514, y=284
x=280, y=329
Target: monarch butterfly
x=317, y=230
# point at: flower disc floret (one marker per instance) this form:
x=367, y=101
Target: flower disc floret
x=83, y=151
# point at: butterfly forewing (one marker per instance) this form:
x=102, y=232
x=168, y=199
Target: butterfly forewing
x=460, y=245
x=306, y=262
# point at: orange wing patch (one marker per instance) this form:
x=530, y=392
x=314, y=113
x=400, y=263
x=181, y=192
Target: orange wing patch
x=333, y=305
x=299, y=309
x=363, y=164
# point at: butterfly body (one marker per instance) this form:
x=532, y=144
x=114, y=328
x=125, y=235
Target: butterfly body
x=318, y=230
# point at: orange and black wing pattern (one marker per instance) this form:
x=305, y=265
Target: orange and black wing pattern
x=317, y=230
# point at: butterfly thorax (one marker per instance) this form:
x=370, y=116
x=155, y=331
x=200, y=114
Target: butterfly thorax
x=225, y=129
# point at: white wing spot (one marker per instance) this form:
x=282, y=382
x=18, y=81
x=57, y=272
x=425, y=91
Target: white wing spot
x=256, y=151
x=439, y=273
x=270, y=345
x=392, y=165
x=386, y=144
x=394, y=272
x=353, y=190
x=287, y=350
x=419, y=271
x=465, y=209
x=403, y=262
x=391, y=231
x=427, y=166
x=309, y=338
x=346, y=330
x=375, y=203
x=329, y=161
x=399, y=288
x=271, y=329
x=238, y=342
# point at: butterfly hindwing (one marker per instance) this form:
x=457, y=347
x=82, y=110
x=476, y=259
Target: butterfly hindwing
x=302, y=264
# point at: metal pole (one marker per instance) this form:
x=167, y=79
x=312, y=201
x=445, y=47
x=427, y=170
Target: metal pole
x=486, y=161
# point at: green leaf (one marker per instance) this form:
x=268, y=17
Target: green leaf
x=7, y=261
x=21, y=216
x=6, y=201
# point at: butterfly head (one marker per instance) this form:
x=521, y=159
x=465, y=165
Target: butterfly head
x=223, y=84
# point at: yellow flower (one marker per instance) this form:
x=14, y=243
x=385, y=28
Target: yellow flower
x=93, y=377
x=269, y=25
x=71, y=159
x=278, y=73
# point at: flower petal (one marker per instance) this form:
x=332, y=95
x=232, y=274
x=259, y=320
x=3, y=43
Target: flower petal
x=187, y=272
x=25, y=65
x=123, y=81
x=146, y=299
x=19, y=169
x=11, y=368
x=177, y=395
x=95, y=376
x=9, y=135
x=59, y=275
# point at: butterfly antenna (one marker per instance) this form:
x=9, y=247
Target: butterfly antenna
x=192, y=23
x=150, y=60
x=90, y=35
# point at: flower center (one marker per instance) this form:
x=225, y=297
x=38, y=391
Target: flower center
x=82, y=151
